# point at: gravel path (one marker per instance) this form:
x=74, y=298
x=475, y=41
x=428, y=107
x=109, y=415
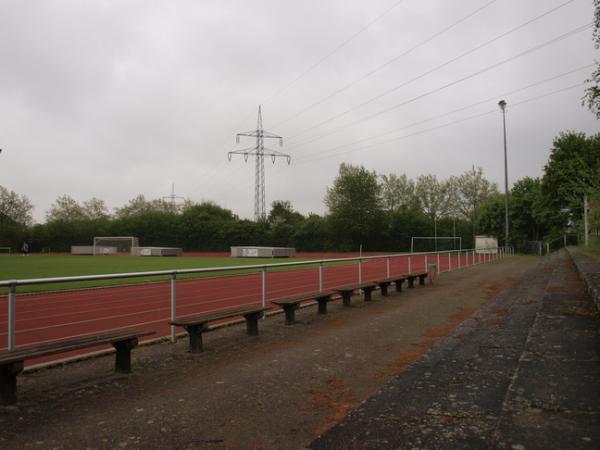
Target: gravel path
x=521, y=374
x=276, y=391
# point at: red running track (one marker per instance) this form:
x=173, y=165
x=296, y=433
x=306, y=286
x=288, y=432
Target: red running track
x=49, y=316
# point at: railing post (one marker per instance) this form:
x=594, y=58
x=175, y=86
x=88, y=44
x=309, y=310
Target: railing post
x=459, y=265
x=321, y=276
x=359, y=271
x=409, y=264
x=12, y=297
x=173, y=305
x=439, y=268
x=264, y=286
x=449, y=261
x=426, y=263
x=387, y=271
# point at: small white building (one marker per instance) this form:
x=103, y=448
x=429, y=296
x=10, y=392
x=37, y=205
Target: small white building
x=262, y=252
x=486, y=245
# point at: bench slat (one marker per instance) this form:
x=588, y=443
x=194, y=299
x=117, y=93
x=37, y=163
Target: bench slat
x=391, y=279
x=218, y=315
x=353, y=287
x=65, y=345
x=301, y=298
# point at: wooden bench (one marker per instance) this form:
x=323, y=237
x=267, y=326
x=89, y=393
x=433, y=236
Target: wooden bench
x=385, y=282
x=412, y=276
x=197, y=324
x=12, y=363
x=347, y=291
x=291, y=304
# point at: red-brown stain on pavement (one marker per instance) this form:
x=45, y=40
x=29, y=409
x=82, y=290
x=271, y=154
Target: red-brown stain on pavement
x=407, y=357
x=335, y=399
x=337, y=322
x=451, y=323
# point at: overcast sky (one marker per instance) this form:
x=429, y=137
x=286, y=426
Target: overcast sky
x=112, y=99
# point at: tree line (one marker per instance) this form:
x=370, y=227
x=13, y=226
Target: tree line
x=378, y=212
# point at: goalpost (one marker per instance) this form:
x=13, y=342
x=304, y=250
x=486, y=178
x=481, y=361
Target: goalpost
x=4, y=250
x=442, y=246
x=114, y=245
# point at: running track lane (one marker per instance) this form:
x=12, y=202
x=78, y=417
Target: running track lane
x=59, y=315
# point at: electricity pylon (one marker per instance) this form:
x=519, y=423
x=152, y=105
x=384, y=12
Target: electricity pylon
x=259, y=154
x=173, y=197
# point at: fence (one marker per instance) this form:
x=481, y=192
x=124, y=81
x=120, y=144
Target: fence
x=315, y=274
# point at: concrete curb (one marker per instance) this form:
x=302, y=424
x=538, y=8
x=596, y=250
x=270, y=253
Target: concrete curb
x=589, y=271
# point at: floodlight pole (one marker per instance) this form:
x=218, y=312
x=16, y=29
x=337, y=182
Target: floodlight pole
x=502, y=105
x=585, y=220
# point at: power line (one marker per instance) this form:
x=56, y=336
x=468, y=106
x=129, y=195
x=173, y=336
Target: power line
x=323, y=155
x=452, y=83
x=428, y=130
x=211, y=173
x=429, y=72
x=387, y=63
x=462, y=108
x=331, y=53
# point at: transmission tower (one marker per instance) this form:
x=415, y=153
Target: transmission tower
x=259, y=155
x=173, y=197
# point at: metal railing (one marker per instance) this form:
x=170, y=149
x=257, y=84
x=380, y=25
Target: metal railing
x=476, y=256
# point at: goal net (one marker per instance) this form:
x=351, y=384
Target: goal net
x=423, y=244
x=114, y=245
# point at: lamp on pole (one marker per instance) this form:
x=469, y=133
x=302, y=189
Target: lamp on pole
x=502, y=105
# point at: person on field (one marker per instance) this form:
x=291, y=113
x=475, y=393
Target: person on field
x=25, y=249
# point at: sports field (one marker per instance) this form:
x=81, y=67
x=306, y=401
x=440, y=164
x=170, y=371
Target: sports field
x=17, y=267
x=42, y=317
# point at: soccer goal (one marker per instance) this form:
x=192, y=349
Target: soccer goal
x=114, y=245
x=4, y=250
x=435, y=243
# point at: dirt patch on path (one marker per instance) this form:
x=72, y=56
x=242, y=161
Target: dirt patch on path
x=275, y=391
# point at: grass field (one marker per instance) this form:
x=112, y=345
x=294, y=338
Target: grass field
x=39, y=266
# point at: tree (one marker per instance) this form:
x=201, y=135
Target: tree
x=140, y=205
x=65, y=209
x=397, y=192
x=282, y=212
x=527, y=211
x=312, y=234
x=95, y=209
x=592, y=93
x=15, y=218
x=491, y=216
x=15, y=208
x=471, y=190
x=594, y=214
x=572, y=170
x=435, y=197
x=403, y=225
x=355, y=213
x=207, y=226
